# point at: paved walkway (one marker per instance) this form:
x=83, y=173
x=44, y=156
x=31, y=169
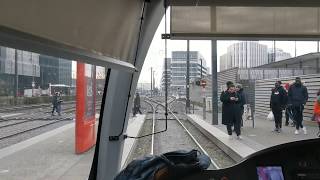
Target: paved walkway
x=261, y=136
x=51, y=156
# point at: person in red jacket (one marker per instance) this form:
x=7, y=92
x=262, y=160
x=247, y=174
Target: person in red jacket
x=316, y=111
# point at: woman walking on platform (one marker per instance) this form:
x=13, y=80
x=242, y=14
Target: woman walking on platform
x=231, y=110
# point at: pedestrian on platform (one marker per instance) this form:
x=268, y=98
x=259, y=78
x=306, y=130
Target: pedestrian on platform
x=289, y=115
x=228, y=84
x=316, y=111
x=59, y=102
x=288, y=110
x=297, y=98
x=231, y=110
x=239, y=90
x=54, y=103
x=277, y=104
x=136, y=105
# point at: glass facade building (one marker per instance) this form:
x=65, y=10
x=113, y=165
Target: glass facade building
x=177, y=70
x=244, y=55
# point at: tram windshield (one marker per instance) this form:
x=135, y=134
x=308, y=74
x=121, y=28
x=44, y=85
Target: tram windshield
x=233, y=81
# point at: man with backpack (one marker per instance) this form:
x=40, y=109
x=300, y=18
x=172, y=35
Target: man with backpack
x=56, y=103
x=136, y=105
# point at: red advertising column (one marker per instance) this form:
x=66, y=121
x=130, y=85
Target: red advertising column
x=85, y=135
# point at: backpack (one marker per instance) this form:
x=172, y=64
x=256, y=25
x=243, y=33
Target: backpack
x=171, y=165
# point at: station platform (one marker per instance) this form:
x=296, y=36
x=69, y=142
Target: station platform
x=51, y=155
x=255, y=138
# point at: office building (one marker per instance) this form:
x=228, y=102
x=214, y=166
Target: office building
x=244, y=54
x=178, y=68
x=278, y=56
x=28, y=70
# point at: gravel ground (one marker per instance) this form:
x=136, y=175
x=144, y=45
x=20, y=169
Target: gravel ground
x=34, y=116
x=29, y=118
x=30, y=134
x=9, y=122
x=11, y=130
x=217, y=155
x=143, y=145
x=29, y=107
x=175, y=137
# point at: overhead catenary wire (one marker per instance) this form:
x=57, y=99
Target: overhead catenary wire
x=166, y=81
x=112, y=138
x=191, y=136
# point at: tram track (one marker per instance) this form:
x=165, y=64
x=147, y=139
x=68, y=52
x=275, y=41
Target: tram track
x=176, y=136
x=43, y=118
x=28, y=129
x=28, y=107
x=218, y=158
x=68, y=108
x=22, y=113
x=14, y=122
x=194, y=140
x=25, y=118
x=15, y=128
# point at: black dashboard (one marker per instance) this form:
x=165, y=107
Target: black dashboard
x=298, y=160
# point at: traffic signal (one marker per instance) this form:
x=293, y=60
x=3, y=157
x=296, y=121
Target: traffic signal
x=203, y=83
x=198, y=82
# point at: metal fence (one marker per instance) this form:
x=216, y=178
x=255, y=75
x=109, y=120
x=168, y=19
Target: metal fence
x=263, y=92
x=257, y=74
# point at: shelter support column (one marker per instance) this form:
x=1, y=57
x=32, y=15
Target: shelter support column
x=214, y=82
x=114, y=120
x=188, y=80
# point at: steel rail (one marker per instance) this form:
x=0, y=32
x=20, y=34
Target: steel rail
x=29, y=129
x=191, y=136
x=32, y=128
x=153, y=126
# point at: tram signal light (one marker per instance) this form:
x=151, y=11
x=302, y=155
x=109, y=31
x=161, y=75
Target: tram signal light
x=203, y=83
x=198, y=82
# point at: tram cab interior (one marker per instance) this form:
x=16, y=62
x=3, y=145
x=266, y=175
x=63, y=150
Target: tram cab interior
x=117, y=34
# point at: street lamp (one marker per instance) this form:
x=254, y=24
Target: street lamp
x=153, y=82
x=203, y=91
x=33, y=83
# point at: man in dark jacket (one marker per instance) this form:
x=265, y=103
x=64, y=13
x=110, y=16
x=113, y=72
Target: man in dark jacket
x=243, y=101
x=55, y=102
x=228, y=84
x=297, y=98
x=231, y=110
x=136, y=105
x=277, y=104
x=288, y=112
x=59, y=102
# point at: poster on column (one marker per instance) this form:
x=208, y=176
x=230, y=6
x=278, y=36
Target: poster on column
x=85, y=107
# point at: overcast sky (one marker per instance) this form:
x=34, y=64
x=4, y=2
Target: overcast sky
x=155, y=56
